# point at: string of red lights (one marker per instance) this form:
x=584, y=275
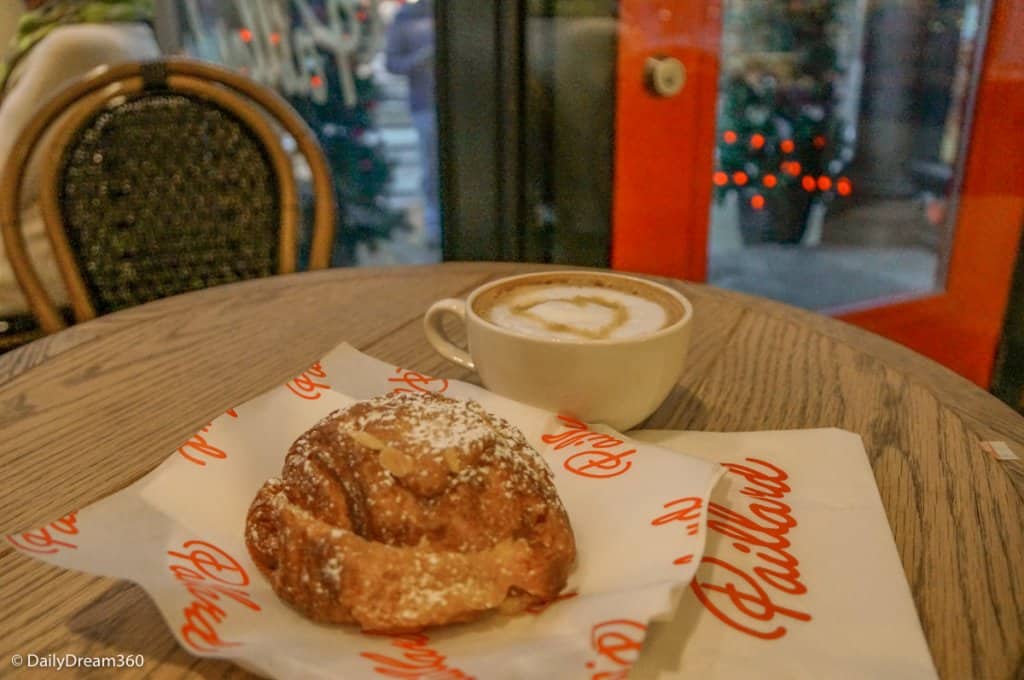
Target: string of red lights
x=841, y=185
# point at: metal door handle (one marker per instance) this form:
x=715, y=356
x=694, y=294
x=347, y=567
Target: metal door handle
x=664, y=76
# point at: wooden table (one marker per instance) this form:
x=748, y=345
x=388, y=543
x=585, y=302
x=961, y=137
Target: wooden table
x=87, y=411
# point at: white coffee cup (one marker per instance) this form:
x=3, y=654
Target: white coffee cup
x=565, y=348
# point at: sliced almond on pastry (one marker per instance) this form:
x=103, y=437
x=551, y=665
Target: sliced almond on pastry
x=396, y=462
x=366, y=439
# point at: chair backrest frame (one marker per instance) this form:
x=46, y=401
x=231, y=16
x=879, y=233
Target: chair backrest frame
x=86, y=97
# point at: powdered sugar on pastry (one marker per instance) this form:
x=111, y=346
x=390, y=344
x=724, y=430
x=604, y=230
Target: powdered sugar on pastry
x=411, y=510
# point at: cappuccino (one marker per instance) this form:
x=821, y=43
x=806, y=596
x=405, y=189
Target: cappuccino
x=570, y=307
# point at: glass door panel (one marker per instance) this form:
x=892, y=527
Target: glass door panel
x=839, y=147
x=828, y=139
x=361, y=74
x=569, y=122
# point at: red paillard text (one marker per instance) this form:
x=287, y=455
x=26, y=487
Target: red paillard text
x=616, y=643
x=48, y=540
x=413, y=658
x=743, y=592
x=602, y=455
x=213, y=578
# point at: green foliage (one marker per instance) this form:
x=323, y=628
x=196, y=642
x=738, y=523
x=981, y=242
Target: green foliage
x=778, y=115
x=356, y=158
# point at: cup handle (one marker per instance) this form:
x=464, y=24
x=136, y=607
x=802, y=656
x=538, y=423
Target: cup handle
x=436, y=335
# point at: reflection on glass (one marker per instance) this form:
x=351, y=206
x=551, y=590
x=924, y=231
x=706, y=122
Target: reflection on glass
x=839, y=134
x=360, y=72
x=410, y=52
x=569, y=119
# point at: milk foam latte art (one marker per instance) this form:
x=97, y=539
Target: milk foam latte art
x=598, y=346
x=579, y=308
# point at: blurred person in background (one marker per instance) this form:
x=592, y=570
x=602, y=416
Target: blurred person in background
x=55, y=42
x=410, y=52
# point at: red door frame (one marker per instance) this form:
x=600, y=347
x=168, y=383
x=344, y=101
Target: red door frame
x=664, y=150
x=664, y=146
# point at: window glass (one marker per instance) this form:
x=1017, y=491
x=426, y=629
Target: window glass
x=361, y=73
x=838, y=147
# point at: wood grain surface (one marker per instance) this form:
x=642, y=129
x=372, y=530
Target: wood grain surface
x=85, y=412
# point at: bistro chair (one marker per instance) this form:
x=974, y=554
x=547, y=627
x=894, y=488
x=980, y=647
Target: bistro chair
x=159, y=178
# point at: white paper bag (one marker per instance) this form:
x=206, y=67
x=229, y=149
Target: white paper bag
x=800, y=577
x=637, y=510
